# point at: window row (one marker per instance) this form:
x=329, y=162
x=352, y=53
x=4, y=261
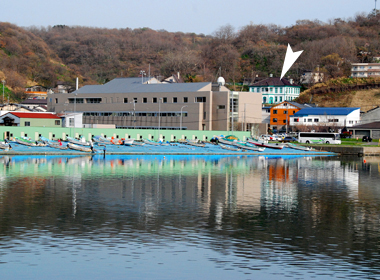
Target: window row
x=277, y=90
x=137, y=114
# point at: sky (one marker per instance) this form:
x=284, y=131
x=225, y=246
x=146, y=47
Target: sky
x=195, y=16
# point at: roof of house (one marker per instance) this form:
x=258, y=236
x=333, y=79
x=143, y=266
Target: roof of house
x=372, y=125
x=135, y=85
x=274, y=81
x=329, y=111
x=34, y=115
x=301, y=106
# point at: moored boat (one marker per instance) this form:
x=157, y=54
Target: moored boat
x=150, y=142
x=296, y=147
x=265, y=144
x=26, y=142
x=5, y=145
x=128, y=142
x=228, y=140
x=195, y=143
x=81, y=142
x=228, y=147
x=248, y=146
x=80, y=148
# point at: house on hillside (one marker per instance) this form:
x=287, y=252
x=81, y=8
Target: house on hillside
x=274, y=90
x=36, y=91
x=280, y=114
x=36, y=104
x=365, y=70
x=30, y=119
x=310, y=77
x=334, y=118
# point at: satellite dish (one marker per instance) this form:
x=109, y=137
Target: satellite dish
x=221, y=81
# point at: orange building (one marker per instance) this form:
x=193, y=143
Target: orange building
x=280, y=113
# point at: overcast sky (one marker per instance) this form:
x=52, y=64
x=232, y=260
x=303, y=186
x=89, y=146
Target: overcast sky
x=198, y=16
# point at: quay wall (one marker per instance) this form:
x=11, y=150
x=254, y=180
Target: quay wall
x=87, y=133
x=350, y=150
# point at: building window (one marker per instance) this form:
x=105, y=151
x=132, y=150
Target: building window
x=77, y=100
x=275, y=120
x=125, y=100
x=185, y=100
x=57, y=122
x=154, y=100
x=296, y=120
x=56, y=100
x=280, y=98
x=274, y=112
x=93, y=100
x=316, y=120
x=165, y=100
x=294, y=112
x=351, y=122
x=200, y=99
x=145, y=100
x=221, y=107
x=285, y=112
x=280, y=90
x=204, y=115
x=309, y=120
x=174, y=99
x=27, y=123
x=135, y=99
x=71, y=122
x=284, y=121
x=275, y=90
x=275, y=99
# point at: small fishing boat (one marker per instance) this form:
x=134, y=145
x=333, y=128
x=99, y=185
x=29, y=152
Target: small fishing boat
x=81, y=142
x=229, y=147
x=100, y=140
x=296, y=147
x=53, y=144
x=138, y=143
x=26, y=142
x=248, y=146
x=195, y=143
x=149, y=142
x=128, y=142
x=228, y=140
x=265, y=144
x=5, y=145
x=80, y=148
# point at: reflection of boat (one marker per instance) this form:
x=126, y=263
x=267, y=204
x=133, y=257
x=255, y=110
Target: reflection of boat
x=296, y=147
x=195, y=143
x=81, y=142
x=149, y=142
x=79, y=148
x=228, y=147
x=261, y=143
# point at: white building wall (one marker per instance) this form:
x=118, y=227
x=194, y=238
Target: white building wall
x=328, y=120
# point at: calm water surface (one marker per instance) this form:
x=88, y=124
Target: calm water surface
x=189, y=217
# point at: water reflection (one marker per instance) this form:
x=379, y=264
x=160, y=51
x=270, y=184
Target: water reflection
x=281, y=216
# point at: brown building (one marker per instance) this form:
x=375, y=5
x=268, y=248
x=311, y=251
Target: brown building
x=149, y=104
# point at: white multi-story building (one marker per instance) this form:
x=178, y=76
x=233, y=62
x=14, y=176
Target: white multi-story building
x=323, y=116
x=365, y=70
x=276, y=90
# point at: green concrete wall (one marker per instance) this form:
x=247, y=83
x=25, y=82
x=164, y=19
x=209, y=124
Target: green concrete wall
x=60, y=132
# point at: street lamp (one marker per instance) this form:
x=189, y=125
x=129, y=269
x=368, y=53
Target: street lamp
x=75, y=106
x=3, y=81
x=142, y=73
x=159, y=117
x=180, y=126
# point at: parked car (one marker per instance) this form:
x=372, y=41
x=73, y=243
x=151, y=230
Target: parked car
x=366, y=139
x=289, y=139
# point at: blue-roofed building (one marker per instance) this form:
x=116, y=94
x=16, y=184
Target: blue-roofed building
x=147, y=103
x=338, y=117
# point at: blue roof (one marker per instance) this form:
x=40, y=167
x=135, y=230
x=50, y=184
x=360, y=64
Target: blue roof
x=329, y=111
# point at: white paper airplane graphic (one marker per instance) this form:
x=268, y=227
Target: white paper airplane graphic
x=290, y=58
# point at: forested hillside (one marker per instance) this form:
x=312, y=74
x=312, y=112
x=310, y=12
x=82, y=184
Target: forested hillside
x=47, y=54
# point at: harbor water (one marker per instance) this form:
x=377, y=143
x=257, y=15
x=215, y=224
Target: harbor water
x=189, y=217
